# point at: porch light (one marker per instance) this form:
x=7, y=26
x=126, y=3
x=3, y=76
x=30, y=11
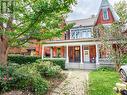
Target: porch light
x=77, y=48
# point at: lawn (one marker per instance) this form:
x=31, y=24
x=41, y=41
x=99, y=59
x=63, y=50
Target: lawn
x=102, y=82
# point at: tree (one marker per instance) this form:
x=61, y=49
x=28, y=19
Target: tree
x=38, y=19
x=113, y=37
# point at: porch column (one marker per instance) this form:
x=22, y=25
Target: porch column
x=67, y=59
x=97, y=54
x=51, y=52
x=81, y=54
x=43, y=52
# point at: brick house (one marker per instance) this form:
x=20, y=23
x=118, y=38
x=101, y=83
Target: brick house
x=79, y=47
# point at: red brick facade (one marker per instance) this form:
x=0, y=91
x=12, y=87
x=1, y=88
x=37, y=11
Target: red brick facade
x=100, y=19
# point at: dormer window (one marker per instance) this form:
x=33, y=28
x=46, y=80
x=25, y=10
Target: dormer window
x=105, y=14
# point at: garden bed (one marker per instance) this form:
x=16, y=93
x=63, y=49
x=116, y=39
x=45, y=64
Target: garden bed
x=37, y=78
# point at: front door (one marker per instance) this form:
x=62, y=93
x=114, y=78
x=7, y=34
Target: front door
x=77, y=54
x=86, y=56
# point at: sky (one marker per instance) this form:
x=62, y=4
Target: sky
x=86, y=8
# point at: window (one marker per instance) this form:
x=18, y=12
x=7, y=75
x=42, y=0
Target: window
x=72, y=34
x=81, y=32
x=86, y=33
x=105, y=14
x=77, y=34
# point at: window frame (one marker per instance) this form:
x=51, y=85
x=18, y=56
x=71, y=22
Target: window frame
x=105, y=14
x=78, y=32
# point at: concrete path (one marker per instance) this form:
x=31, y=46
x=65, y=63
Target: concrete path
x=75, y=84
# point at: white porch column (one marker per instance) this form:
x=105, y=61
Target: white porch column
x=67, y=59
x=43, y=52
x=51, y=52
x=97, y=54
x=81, y=54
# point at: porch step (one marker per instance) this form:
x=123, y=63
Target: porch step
x=90, y=66
x=86, y=66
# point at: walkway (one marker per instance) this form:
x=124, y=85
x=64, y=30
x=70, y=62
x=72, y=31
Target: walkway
x=75, y=84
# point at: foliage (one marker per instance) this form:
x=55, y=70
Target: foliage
x=113, y=37
x=31, y=77
x=47, y=69
x=102, y=82
x=121, y=9
x=7, y=80
x=35, y=19
x=20, y=59
x=28, y=78
x=124, y=59
x=24, y=77
x=59, y=62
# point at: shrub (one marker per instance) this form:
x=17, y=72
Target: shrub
x=6, y=78
x=20, y=59
x=60, y=62
x=40, y=85
x=47, y=69
x=28, y=78
x=25, y=77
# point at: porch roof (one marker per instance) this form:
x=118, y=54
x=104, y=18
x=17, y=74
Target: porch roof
x=88, y=41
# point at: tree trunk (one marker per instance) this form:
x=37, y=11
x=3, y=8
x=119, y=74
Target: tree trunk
x=4, y=41
x=3, y=50
x=117, y=67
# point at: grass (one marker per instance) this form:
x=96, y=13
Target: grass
x=102, y=82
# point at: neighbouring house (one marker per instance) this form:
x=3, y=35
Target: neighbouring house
x=81, y=46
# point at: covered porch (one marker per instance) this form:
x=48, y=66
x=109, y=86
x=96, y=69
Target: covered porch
x=78, y=54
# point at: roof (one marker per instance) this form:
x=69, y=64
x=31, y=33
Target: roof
x=83, y=22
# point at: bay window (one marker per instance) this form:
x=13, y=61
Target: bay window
x=81, y=32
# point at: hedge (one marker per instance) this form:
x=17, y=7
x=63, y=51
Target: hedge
x=60, y=62
x=20, y=59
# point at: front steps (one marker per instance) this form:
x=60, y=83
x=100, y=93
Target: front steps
x=83, y=66
x=90, y=66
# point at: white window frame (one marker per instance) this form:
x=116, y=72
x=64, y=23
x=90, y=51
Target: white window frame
x=81, y=30
x=107, y=14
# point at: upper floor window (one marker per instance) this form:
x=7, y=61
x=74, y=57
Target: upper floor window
x=82, y=32
x=105, y=14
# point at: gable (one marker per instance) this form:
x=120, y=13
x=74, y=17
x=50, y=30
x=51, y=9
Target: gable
x=106, y=14
x=101, y=20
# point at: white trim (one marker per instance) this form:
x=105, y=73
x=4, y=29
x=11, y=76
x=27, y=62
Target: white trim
x=42, y=52
x=67, y=57
x=81, y=54
x=97, y=54
x=73, y=44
